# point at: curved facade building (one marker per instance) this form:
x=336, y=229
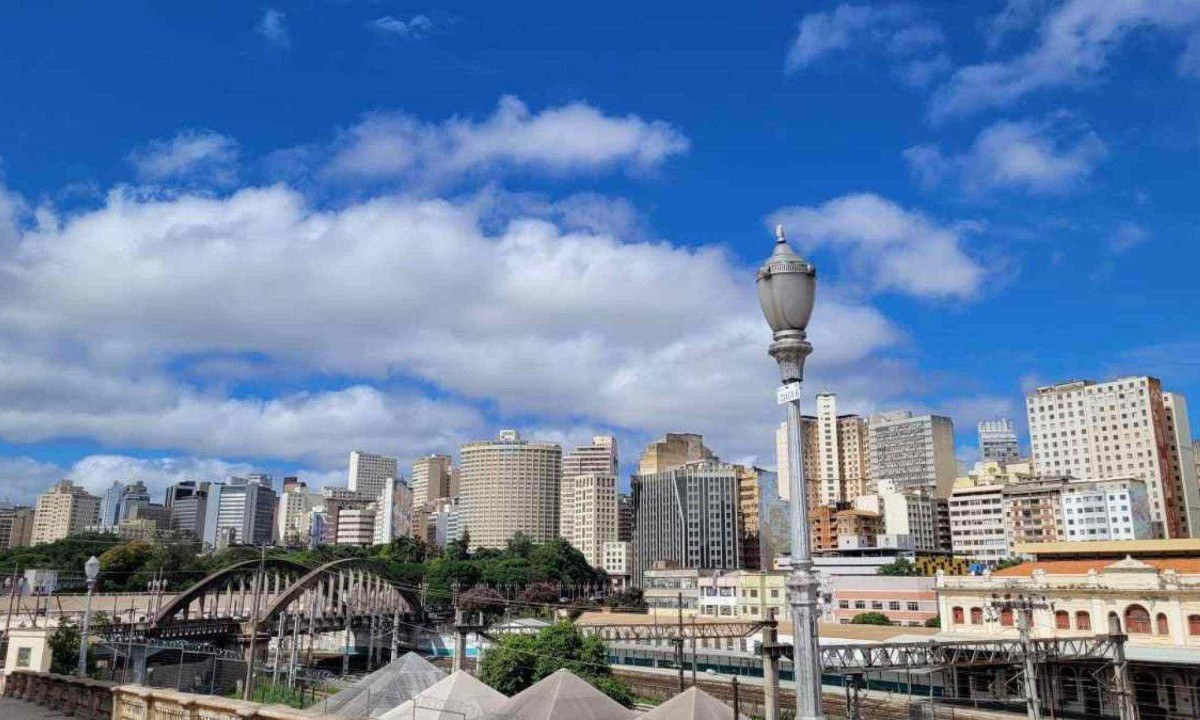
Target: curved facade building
x=509, y=485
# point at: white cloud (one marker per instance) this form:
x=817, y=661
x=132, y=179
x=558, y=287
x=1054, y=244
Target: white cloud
x=1126, y=236
x=571, y=138
x=1049, y=156
x=1016, y=16
x=1073, y=45
x=22, y=478
x=415, y=28
x=895, y=30
x=887, y=246
x=273, y=27
x=190, y=155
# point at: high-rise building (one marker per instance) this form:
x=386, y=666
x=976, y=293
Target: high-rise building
x=595, y=514
x=335, y=500
x=393, y=512
x=977, y=522
x=998, y=441
x=625, y=518
x=187, y=505
x=369, y=471
x=133, y=496
x=842, y=462
x=433, y=479
x=915, y=512
x=245, y=511
x=1033, y=511
x=294, y=517
x=510, y=485
x=63, y=510
x=110, y=505
x=686, y=516
x=673, y=450
x=1117, y=429
x=762, y=518
x=356, y=526
x=599, y=458
x=808, y=443
x=618, y=563
x=910, y=451
x=21, y=532
x=1117, y=509
x=1183, y=460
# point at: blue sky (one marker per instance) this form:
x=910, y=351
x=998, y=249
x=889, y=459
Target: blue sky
x=240, y=237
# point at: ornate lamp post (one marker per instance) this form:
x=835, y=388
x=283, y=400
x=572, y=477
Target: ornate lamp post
x=787, y=285
x=92, y=569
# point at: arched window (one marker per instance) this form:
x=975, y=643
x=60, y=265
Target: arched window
x=976, y=616
x=1193, y=624
x=1114, y=623
x=1062, y=620
x=958, y=616
x=1083, y=621
x=1006, y=617
x=1161, y=626
x=1137, y=620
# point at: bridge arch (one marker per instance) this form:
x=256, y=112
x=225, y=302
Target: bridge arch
x=316, y=576
x=220, y=579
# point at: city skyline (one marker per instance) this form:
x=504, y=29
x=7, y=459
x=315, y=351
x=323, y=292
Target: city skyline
x=607, y=305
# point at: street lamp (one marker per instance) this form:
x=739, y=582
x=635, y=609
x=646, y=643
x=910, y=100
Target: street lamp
x=92, y=569
x=787, y=285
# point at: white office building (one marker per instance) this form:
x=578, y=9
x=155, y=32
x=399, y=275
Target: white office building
x=1117, y=509
x=998, y=441
x=913, y=451
x=369, y=472
x=599, y=458
x=977, y=525
x=244, y=512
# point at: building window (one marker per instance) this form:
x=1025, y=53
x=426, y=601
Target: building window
x=1161, y=625
x=1137, y=620
x=1062, y=620
x=958, y=616
x=1006, y=617
x=1193, y=624
x=860, y=604
x=1083, y=621
x=976, y=616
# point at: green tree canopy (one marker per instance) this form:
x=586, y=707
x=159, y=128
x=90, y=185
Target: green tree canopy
x=901, y=566
x=870, y=618
x=519, y=661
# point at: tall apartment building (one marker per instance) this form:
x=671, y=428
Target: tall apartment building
x=998, y=441
x=1033, y=511
x=625, y=518
x=911, y=451
x=393, y=512
x=686, y=516
x=915, y=513
x=294, y=517
x=842, y=462
x=1117, y=429
x=599, y=458
x=1117, y=509
x=673, y=450
x=433, y=479
x=334, y=501
x=509, y=485
x=356, y=526
x=595, y=514
x=1183, y=459
x=110, y=505
x=187, y=504
x=63, y=510
x=809, y=451
x=369, y=471
x=762, y=518
x=244, y=512
x=134, y=495
x=977, y=523
x=15, y=526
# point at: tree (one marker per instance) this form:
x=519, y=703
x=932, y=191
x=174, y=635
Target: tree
x=630, y=600
x=64, y=650
x=481, y=600
x=519, y=661
x=870, y=618
x=1008, y=562
x=539, y=596
x=933, y=622
x=122, y=567
x=901, y=566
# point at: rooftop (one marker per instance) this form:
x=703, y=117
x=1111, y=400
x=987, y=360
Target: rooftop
x=1116, y=549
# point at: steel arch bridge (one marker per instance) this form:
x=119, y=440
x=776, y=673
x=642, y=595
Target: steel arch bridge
x=291, y=598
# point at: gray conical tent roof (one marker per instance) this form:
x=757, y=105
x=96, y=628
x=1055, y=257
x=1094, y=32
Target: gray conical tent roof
x=460, y=696
x=564, y=695
x=692, y=704
x=382, y=690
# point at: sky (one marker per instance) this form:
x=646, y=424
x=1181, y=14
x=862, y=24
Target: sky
x=239, y=237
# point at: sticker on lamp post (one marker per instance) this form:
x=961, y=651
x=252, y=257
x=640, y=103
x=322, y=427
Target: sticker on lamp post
x=787, y=393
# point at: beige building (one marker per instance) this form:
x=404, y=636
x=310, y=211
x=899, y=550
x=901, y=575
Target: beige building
x=808, y=442
x=743, y=594
x=595, y=515
x=977, y=523
x=433, y=478
x=356, y=526
x=1122, y=428
x=509, y=485
x=672, y=451
x=63, y=510
x=912, y=451
x=1033, y=511
x=294, y=517
x=599, y=458
x=369, y=472
x=842, y=460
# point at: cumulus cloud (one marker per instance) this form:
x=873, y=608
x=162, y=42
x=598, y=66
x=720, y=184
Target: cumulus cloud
x=415, y=28
x=886, y=246
x=273, y=28
x=914, y=45
x=1072, y=46
x=571, y=138
x=201, y=155
x=1126, y=236
x=1051, y=156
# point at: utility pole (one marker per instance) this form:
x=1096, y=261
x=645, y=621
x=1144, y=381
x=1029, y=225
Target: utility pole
x=737, y=705
x=258, y=582
x=679, y=640
x=771, y=651
x=693, y=651
x=1025, y=606
x=1126, y=707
